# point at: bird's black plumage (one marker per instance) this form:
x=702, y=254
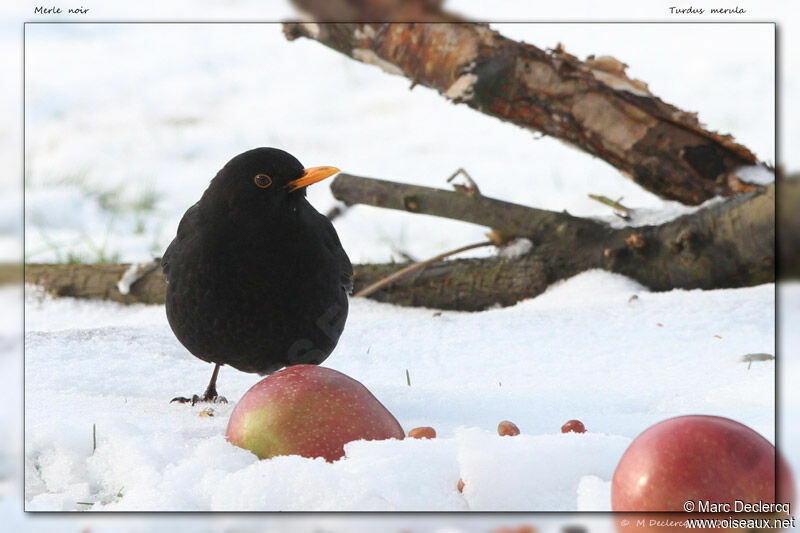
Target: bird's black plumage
x=256, y=278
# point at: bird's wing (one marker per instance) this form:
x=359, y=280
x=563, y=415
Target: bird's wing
x=189, y=219
x=335, y=246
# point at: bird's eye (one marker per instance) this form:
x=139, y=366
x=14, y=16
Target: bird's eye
x=263, y=181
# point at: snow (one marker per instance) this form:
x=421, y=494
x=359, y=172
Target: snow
x=151, y=124
x=594, y=494
x=584, y=349
x=134, y=273
x=756, y=174
x=515, y=249
x=645, y=216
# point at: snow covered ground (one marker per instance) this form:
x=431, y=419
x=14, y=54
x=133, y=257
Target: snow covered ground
x=582, y=350
x=127, y=123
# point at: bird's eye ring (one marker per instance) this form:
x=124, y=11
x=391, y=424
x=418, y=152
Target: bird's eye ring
x=262, y=180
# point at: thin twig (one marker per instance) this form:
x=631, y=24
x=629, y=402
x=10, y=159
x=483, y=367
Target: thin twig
x=471, y=189
x=388, y=280
x=612, y=203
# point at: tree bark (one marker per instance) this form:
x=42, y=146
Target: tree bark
x=96, y=281
x=590, y=104
x=539, y=225
x=729, y=244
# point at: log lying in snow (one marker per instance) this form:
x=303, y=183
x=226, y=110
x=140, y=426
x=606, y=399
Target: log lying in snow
x=728, y=244
x=590, y=104
x=96, y=281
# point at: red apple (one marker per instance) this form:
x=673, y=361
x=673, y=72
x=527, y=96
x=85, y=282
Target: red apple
x=308, y=410
x=697, y=458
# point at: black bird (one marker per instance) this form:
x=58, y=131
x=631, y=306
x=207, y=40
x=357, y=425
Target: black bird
x=257, y=278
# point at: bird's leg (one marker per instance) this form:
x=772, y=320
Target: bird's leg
x=210, y=394
x=211, y=391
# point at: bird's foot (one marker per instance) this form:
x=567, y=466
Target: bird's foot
x=206, y=398
x=210, y=396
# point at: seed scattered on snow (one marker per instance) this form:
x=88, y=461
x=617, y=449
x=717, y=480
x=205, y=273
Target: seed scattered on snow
x=573, y=426
x=507, y=429
x=424, y=432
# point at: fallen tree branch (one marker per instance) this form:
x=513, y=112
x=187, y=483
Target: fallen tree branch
x=590, y=104
x=725, y=245
x=512, y=219
x=96, y=281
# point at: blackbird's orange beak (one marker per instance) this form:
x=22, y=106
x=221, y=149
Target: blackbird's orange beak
x=311, y=175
